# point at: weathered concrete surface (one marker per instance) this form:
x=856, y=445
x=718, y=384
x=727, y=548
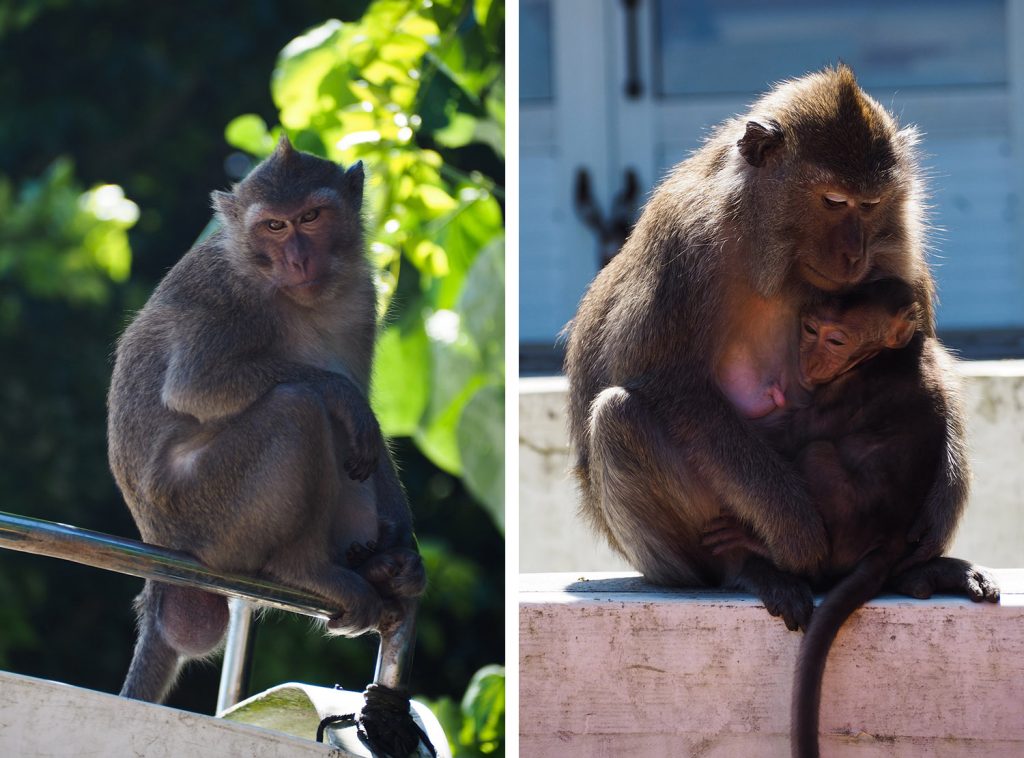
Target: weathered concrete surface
x=552, y=538
x=44, y=719
x=610, y=666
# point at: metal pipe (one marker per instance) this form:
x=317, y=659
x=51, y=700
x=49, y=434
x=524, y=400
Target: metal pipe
x=234, y=672
x=125, y=556
x=394, y=656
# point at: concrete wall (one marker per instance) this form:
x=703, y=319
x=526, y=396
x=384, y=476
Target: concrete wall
x=610, y=666
x=552, y=537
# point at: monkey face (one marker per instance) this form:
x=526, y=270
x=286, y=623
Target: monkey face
x=836, y=252
x=295, y=246
x=831, y=344
x=295, y=223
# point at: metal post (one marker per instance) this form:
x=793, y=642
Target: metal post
x=394, y=657
x=234, y=672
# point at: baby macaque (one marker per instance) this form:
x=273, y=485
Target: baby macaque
x=864, y=419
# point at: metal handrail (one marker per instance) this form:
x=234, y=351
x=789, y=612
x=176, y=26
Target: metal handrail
x=126, y=556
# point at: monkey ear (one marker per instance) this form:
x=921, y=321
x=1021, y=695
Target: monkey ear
x=904, y=326
x=225, y=204
x=759, y=140
x=352, y=182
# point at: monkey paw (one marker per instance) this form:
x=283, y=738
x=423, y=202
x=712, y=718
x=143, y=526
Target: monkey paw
x=725, y=533
x=949, y=575
x=360, y=615
x=793, y=601
x=397, y=572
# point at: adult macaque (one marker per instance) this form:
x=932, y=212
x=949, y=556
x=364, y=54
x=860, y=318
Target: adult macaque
x=815, y=190
x=239, y=427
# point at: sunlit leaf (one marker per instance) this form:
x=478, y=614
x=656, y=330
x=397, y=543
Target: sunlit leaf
x=481, y=439
x=250, y=133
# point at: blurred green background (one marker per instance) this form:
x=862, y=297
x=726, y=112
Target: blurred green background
x=117, y=124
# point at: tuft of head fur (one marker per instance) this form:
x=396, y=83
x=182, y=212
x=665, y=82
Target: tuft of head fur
x=288, y=176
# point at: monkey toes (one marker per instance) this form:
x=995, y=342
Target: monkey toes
x=793, y=602
x=950, y=575
x=397, y=572
x=360, y=615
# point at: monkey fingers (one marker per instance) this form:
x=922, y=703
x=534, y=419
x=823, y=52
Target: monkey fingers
x=726, y=533
x=358, y=553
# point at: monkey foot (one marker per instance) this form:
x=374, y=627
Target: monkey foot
x=948, y=575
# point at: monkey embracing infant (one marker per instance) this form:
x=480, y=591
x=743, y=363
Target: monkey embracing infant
x=239, y=428
x=813, y=192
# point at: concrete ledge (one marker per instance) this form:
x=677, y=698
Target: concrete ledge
x=992, y=532
x=46, y=719
x=610, y=666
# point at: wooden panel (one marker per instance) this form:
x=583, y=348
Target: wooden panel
x=610, y=666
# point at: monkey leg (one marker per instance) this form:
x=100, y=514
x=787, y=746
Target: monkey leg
x=175, y=624
x=652, y=507
x=265, y=492
x=946, y=574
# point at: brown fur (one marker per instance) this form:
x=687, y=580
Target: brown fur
x=733, y=244
x=239, y=427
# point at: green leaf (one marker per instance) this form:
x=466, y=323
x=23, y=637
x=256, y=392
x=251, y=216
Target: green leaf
x=481, y=438
x=399, y=391
x=481, y=305
x=484, y=707
x=250, y=133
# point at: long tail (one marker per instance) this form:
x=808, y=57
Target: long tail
x=862, y=584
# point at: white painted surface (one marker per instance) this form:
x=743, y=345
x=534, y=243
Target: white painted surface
x=297, y=709
x=610, y=666
x=43, y=719
x=553, y=538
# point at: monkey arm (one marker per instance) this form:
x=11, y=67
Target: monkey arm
x=746, y=475
x=233, y=380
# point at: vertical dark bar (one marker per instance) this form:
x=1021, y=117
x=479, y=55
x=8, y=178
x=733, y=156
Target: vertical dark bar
x=634, y=86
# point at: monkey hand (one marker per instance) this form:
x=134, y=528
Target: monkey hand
x=726, y=533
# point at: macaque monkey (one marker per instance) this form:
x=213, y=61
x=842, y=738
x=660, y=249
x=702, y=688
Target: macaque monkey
x=239, y=427
x=868, y=442
x=814, y=191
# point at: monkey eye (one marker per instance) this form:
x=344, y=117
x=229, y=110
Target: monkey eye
x=834, y=200
x=810, y=329
x=275, y=225
x=835, y=341
x=310, y=216
x=866, y=205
